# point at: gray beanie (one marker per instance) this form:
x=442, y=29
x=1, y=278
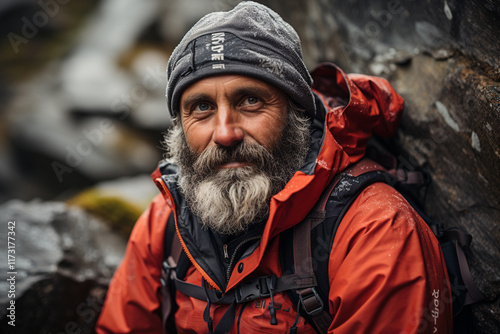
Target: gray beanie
x=250, y=40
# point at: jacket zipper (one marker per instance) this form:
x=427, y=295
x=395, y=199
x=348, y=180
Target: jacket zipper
x=233, y=257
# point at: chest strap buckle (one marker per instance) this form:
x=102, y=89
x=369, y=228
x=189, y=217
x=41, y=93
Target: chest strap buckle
x=310, y=301
x=255, y=289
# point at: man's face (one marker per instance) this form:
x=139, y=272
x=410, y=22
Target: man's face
x=226, y=110
x=237, y=144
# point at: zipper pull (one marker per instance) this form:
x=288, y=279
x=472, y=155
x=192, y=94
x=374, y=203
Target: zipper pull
x=224, y=249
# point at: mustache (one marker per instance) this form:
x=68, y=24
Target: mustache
x=212, y=158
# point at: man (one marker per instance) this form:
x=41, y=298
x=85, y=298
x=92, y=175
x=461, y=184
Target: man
x=252, y=148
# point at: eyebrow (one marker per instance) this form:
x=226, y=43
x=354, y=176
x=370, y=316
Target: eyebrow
x=253, y=90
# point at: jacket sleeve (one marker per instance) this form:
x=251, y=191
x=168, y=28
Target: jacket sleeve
x=386, y=271
x=132, y=303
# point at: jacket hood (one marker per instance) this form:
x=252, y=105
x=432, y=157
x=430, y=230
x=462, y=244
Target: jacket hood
x=349, y=109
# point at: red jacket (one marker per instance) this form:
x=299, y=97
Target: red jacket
x=386, y=270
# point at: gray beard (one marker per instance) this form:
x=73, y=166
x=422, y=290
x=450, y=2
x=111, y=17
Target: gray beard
x=229, y=200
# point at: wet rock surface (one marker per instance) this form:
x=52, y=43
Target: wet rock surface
x=92, y=114
x=64, y=260
x=442, y=57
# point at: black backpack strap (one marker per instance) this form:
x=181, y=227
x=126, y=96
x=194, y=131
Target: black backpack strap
x=462, y=242
x=172, y=251
x=454, y=243
x=255, y=288
x=309, y=299
x=331, y=207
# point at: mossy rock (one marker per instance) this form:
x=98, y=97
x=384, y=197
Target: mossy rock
x=115, y=211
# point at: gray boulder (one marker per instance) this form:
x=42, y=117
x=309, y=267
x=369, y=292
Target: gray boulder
x=63, y=262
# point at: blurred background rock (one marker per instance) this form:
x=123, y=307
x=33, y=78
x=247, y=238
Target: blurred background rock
x=83, y=110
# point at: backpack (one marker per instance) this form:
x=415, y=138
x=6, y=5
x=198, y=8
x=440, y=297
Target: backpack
x=305, y=275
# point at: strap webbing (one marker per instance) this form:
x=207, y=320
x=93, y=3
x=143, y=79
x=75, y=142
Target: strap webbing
x=309, y=299
x=246, y=291
x=302, y=251
x=166, y=305
x=169, y=265
x=462, y=241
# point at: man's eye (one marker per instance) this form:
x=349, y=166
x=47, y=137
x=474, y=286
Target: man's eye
x=251, y=100
x=201, y=107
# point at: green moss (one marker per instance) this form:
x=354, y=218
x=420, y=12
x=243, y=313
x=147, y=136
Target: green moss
x=118, y=213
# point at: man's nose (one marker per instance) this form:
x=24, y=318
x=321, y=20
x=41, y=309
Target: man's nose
x=228, y=131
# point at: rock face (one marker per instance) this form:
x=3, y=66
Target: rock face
x=64, y=260
x=443, y=57
x=84, y=117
